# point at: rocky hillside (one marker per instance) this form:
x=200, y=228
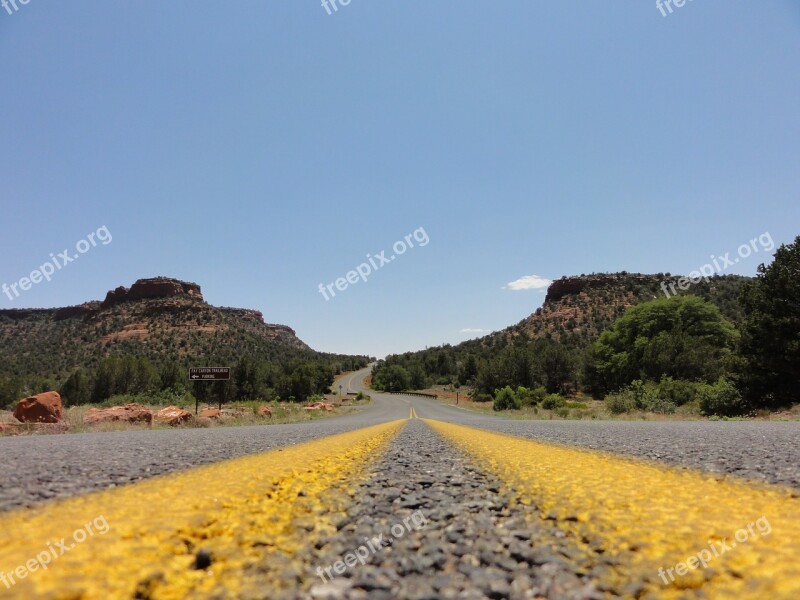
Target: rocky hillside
x=550, y=345
x=159, y=318
x=580, y=307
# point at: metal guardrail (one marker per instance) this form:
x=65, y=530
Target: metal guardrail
x=422, y=394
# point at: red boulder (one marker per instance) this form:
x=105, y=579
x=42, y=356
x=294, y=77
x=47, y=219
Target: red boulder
x=41, y=408
x=130, y=413
x=174, y=416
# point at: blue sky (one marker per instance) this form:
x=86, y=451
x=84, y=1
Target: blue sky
x=263, y=148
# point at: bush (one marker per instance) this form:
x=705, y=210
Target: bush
x=722, y=399
x=562, y=412
x=621, y=402
x=639, y=395
x=552, y=401
x=506, y=399
x=661, y=406
x=678, y=391
x=530, y=397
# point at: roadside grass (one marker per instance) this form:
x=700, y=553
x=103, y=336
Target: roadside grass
x=234, y=414
x=584, y=407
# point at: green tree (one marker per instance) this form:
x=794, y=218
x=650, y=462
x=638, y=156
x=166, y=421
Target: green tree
x=683, y=337
x=554, y=366
x=172, y=376
x=771, y=340
x=395, y=379
x=106, y=380
x=10, y=390
x=77, y=389
x=468, y=371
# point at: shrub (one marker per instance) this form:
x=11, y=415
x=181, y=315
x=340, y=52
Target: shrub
x=562, y=412
x=539, y=394
x=530, y=397
x=621, y=402
x=660, y=405
x=722, y=399
x=639, y=395
x=506, y=399
x=678, y=391
x=644, y=394
x=552, y=401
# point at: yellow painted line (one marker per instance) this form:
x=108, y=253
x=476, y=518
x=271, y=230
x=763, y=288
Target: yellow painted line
x=652, y=517
x=413, y=413
x=240, y=510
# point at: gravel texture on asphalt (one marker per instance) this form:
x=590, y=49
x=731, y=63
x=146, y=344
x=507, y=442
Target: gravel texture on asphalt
x=35, y=469
x=449, y=531
x=760, y=450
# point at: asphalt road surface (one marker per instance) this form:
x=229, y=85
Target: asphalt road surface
x=40, y=468
x=550, y=512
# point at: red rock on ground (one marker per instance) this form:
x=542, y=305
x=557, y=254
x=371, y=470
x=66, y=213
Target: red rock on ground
x=130, y=413
x=211, y=413
x=264, y=411
x=318, y=406
x=174, y=416
x=41, y=408
x=6, y=427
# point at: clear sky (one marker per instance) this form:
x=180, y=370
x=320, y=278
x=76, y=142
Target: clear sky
x=262, y=148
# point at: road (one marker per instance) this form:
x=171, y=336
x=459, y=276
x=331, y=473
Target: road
x=475, y=506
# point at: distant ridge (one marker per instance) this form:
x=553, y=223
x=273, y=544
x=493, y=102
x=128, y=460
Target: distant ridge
x=161, y=318
x=580, y=307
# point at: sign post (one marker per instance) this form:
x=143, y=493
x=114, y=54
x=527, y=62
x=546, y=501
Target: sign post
x=209, y=374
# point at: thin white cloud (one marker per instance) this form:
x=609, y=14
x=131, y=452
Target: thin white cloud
x=471, y=330
x=529, y=282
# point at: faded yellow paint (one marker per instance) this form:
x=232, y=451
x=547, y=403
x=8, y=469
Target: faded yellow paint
x=651, y=517
x=240, y=510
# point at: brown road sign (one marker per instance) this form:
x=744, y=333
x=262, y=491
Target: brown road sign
x=210, y=373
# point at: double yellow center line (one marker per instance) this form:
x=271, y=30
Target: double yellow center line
x=677, y=533
x=198, y=533
x=239, y=511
